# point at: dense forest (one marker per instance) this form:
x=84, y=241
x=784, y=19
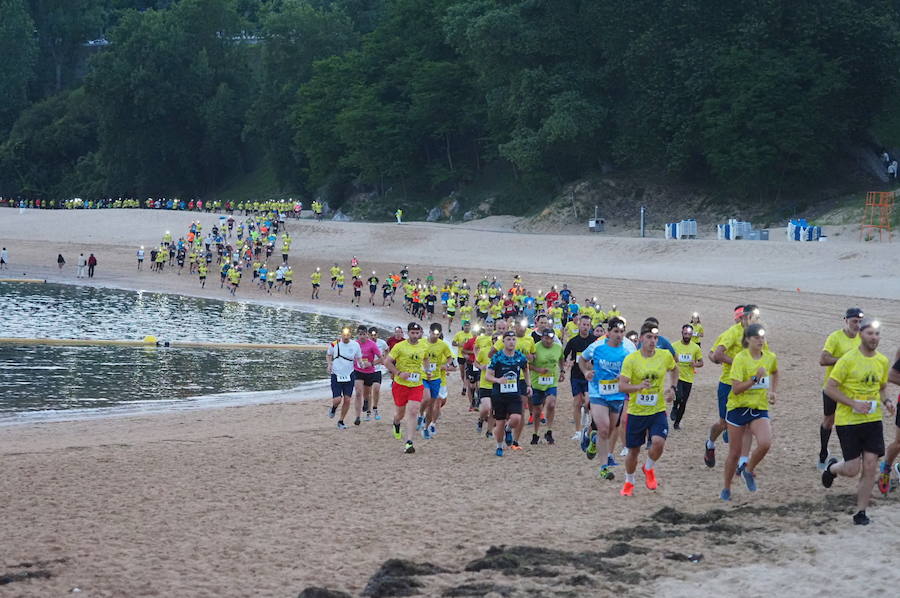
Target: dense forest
x=175, y=97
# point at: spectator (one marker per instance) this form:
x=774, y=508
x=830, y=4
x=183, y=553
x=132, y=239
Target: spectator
x=82, y=262
x=92, y=263
x=4, y=258
x=60, y=261
x=892, y=170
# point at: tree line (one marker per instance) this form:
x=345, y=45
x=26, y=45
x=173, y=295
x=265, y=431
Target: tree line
x=184, y=95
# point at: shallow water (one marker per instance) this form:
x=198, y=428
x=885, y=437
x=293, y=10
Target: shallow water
x=38, y=378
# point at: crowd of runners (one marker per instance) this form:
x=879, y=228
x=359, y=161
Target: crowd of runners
x=513, y=348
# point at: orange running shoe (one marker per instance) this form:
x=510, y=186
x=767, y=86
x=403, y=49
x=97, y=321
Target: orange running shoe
x=651, y=478
x=627, y=489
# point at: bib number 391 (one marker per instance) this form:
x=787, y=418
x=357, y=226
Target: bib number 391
x=647, y=400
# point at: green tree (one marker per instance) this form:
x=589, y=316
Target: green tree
x=19, y=50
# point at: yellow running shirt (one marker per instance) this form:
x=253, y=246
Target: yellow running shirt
x=838, y=344
x=409, y=359
x=686, y=355
x=744, y=368
x=437, y=354
x=637, y=368
x=460, y=339
x=860, y=378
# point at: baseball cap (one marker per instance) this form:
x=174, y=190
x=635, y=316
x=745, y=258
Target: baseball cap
x=854, y=312
x=413, y=326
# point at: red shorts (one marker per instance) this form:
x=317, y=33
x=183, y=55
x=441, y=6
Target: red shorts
x=404, y=394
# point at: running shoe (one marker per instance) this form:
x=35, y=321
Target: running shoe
x=432, y=429
x=356, y=421
x=676, y=426
x=530, y=419
x=331, y=413
x=463, y=393
x=623, y=452
x=535, y=439
x=396, y=432
x=725, y=494
x=585, y=441
x=420, y=421
x=884, y=478
x=342, y=426
x=499, y=451
x=604, y=473
x=377, y=415
x=610, y=461
x=576, y=436
x=543, y=419
x=709, y=457
x=479, y=426
x=548, y=436
x=410, y=449
x=861, y=518
x=365, y=405
x=508, y=437
x=650, y=478
x=368, y=416
x=488, y=433
x=515, y=446
x=592, y=446
x=740, y=469
x=820, y=464
x=426, y=433
x=827, y=476
x=749, y=479
x=627, y=489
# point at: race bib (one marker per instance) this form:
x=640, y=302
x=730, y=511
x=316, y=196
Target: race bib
x=647, y=400
x=608, y=387
x=763, y=383
x=509, y=387
x=476, y=368
x=873, y=406
x=414, y=377
x=546, y=380
x=685, y=358
x=343, y=377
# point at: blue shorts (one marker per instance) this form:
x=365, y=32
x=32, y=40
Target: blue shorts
x=434, y=387
x=744, y=415
x=640, y=427
x=339, y=389
x=579, y=386
x=539, y=396
x=722, y=393
x=615, y=406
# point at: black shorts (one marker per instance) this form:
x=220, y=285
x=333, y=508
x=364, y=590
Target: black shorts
x=861, y=438
x=357, y=292
x=504, y=405
x=472, y=375
x=461, y=360
x=897, y=416
x=430, y=308
x=484, y=393
x=372, y=289
x=368, y=379
x=828, y=405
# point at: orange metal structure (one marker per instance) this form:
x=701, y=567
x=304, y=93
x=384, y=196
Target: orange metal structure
x=877, y=214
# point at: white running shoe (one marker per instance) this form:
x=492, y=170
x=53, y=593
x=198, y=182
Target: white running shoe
x=820, y=465
x=623, y=452
x=576, y=435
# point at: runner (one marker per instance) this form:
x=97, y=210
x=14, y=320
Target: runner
x=754, y=383
x=376, y=383
x=577, y=381
x=546, y=375
x=698, y=328
x=646, y=408
x=405, y=362
x=364, y=372
x=893, y=449
x=857, y=384
x=723, y=351
x=316, y=279
x=601, y=365
x=357, y=290
x=373, y=287
x=335, y=270
x=459, y=340
x=509, y=375
x=689, y=358
x=440, y=361
x=837, y=344
x=340, y=358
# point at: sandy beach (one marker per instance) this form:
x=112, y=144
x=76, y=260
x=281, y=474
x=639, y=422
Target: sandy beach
x=268, y=500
